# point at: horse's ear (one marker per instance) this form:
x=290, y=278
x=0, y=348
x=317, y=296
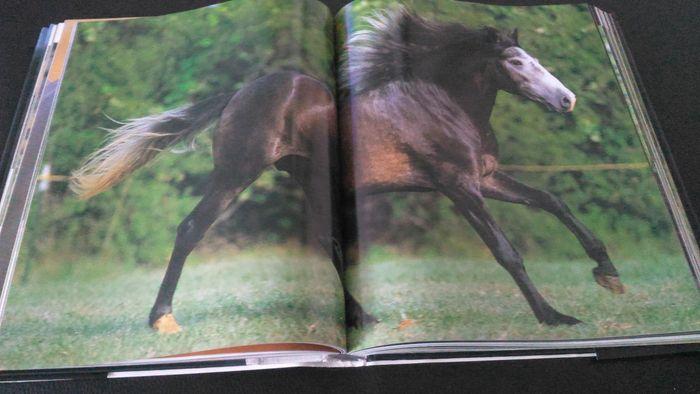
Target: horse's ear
x=514, y=35
x=491, y=35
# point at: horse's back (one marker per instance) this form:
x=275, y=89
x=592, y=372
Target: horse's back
x=280, y=114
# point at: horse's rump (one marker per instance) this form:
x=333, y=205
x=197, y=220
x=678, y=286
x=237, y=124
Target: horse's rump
x=277, y=115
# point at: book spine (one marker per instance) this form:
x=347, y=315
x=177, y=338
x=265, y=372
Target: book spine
x=343, y=361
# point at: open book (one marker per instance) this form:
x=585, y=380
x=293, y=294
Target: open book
x=262, y=183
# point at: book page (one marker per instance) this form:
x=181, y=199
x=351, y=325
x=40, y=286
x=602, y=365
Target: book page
x=501, y=190
x=162, y=223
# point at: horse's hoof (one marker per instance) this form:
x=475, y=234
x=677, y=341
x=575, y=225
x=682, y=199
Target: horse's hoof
x=166, y=324
x=559, y=319
x=362, y=319
x=368, y=320
x=610, y=282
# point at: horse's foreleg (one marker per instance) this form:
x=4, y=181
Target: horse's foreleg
x=503, y=187
x=323, y=222
x=189, y=233
x=468, y=200
x=355, y=315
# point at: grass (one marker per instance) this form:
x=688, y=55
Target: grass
x=97, y=313
x=448, y=299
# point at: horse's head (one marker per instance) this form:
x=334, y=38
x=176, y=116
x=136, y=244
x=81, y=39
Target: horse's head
x=401, y=45
x=520, y=73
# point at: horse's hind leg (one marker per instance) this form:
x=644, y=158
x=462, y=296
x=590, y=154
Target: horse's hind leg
x=316, y=182
x=220, y=193
x=502, y=187
x=468, y=200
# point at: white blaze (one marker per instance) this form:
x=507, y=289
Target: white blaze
x=535, y=82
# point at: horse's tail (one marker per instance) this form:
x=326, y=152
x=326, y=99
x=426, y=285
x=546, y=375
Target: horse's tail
x=138, y=141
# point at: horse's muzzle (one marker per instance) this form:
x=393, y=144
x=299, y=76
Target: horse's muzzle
x=567, y=103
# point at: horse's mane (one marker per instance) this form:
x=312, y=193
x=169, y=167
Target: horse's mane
x=399, y=41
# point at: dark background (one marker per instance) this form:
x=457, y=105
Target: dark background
x=664, y=40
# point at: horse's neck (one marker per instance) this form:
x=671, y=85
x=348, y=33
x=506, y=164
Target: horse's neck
x=477, y=99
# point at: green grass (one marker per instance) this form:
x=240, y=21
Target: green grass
x=449, y=299
x=86, y=313
x=97, y=313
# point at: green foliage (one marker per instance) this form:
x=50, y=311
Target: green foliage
x=624, y=207
x=131, y=68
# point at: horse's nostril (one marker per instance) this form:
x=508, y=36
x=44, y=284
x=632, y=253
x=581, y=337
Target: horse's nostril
x=568, y=103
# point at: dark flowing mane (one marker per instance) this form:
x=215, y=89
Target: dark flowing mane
x=401, y=45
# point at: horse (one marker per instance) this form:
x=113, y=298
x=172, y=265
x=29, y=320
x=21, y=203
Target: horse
x=413, y=115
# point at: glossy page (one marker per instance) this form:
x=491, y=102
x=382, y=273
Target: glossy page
x=157, y=134
x=502, y=190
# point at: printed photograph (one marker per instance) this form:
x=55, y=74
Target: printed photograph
x=502, y=189
x=114, y=216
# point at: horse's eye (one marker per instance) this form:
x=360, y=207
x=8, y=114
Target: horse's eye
x=515, y=62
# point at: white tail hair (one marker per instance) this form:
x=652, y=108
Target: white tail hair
x=138, y=141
